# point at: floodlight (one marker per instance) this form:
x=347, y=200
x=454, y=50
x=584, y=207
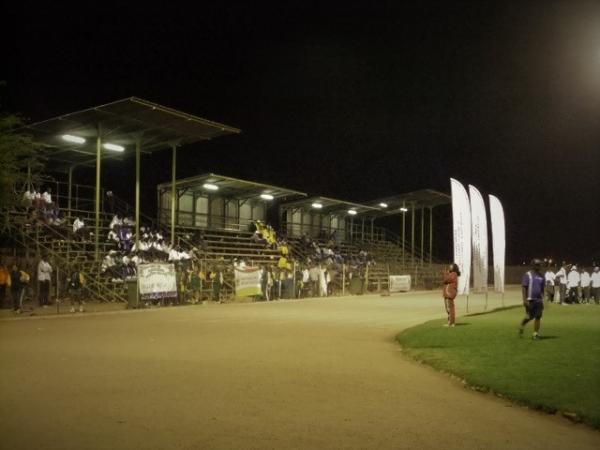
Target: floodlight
x=352, y=212
x=74, y=139
x=317, y=205
x=113, y=147
x=383, y=205
x=266, y=196
x=210, y=187
x=403, y=209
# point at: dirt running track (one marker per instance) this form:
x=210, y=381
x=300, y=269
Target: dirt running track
x=306, y=374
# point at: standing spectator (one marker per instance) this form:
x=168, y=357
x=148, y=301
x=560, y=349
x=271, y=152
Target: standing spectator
x=533, y=300
x=573, y=282
x=4, y=282
x=16, y=288
x=305, y=280
x=596, y=284
x=450, y=291
x=549, y=276
x=110, y=202
x=314, y=274
x=586, y=281
x=76, y=285
x=44, y=273
x=217, y=280
x=560, y=282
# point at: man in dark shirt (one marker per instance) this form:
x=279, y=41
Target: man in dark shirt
x=533, y=290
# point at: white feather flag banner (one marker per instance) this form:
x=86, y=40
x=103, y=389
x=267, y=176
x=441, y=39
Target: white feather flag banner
x=461, y=227
x=498, y=242
x=479, y=241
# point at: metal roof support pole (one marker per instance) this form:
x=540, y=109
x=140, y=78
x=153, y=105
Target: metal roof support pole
x=412, y=232
x=97, y=202
x=138, y=150
x=362, y=230
x=422, y=235
x=372, y=227
x=173, y=192
x=430, y=235
x=70, y=191
x=403, y=234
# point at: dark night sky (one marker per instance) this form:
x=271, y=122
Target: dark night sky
x=351, y=101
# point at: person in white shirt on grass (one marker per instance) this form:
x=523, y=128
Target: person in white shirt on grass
x=549, y=276
x=586, y=282
x=595, y=284
x=573, y=282
x=560, y=282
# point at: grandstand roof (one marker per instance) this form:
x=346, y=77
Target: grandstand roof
x=424, y=198
x=330, y=206
x=231, y=187
x=122, y=122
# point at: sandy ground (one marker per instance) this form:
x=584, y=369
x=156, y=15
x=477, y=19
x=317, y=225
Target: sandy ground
x=306, y=374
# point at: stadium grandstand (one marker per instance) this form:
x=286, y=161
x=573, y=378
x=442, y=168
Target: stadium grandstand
x=207, y=224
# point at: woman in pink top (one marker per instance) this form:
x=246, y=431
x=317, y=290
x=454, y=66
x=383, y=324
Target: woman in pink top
x=450, y=290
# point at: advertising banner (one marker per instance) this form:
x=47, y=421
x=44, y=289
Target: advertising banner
x=400, y=283
x=461, y=228
x=157, y=280
x=479, y=241
x=498, y=242
x=247, y=282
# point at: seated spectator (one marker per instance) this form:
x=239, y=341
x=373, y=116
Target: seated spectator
x=78, y=229
x=174, y=255
x=116, y=222
x=47, y=196
x=112, y=237
x=283, y=248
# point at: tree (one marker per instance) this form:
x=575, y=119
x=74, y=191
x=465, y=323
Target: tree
x=20, y=159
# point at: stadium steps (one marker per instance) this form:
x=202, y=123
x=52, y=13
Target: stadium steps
x=57, y=244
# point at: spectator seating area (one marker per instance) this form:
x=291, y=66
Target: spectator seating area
x=202, y=254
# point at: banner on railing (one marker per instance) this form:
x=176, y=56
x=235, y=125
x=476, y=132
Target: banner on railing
x=157, y=280
x=498, y=242
x=400, y=283
x=479, y=241
x=247, y=282
x=461, y=227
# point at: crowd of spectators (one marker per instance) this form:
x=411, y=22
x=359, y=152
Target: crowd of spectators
x=40, y=207
x=120, y=263
x=569, y=284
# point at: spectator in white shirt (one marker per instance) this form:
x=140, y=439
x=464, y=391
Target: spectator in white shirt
x=78, y=228
x=586, y=281
x=44, y=273
x=595, y=282
x=573, y=281
x=173, y=255
x=116, y=222
x=561, y=283
x=47, y=196
x=549, y=276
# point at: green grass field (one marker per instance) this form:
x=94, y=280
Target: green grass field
x=560, y=372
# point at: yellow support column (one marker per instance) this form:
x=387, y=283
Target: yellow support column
x=97, y=203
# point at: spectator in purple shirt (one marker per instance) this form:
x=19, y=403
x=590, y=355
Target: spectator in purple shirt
x=533, y=290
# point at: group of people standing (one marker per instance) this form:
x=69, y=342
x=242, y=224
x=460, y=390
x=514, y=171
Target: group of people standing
x=572, y=285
